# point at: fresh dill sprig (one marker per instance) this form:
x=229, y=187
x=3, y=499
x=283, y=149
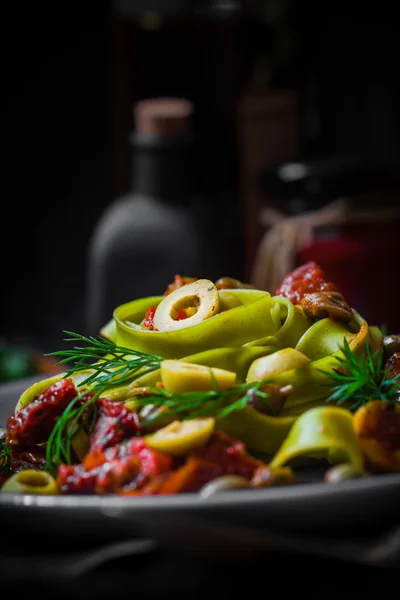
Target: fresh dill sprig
x=68, y=425
x=108, y=363
x=5, y=457
x=360, y=379
x=216, y=403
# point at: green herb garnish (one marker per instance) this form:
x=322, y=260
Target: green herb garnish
x=68, y=425
x=360, y=379
x=108, y=365
x=216, y=403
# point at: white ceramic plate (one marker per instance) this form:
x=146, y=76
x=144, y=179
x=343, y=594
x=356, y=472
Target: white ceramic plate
x=190, y=521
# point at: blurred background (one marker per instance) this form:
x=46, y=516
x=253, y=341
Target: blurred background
x=284, y=149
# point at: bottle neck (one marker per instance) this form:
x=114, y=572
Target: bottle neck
x=162, y=168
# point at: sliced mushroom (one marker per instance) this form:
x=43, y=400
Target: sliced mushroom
x=321, y=305
x=392, y=371
x=391, y=345
x=229, y=283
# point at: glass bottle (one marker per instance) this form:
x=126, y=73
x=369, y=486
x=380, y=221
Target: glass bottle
x=159, y=228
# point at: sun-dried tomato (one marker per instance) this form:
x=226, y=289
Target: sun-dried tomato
x=223, y=455
x=114, y=424
x=130, y=465
x=307, y=279
x=33, y=424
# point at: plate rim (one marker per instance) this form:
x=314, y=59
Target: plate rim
x=188, y=501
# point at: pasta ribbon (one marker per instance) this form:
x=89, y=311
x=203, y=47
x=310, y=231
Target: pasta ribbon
x=230, y=328
x=310, y=383
x=322, y=432
x=261, y=433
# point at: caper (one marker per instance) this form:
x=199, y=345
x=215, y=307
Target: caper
x=223, y=484
x=391, y=344
x=343, y=472
x=31, y=481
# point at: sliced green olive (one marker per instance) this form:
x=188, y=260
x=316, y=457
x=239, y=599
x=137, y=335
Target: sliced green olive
x=180, y=376
x=223, y=484
x=180, y=437
x=200, y=299
x=31, y=481
x=276, y=363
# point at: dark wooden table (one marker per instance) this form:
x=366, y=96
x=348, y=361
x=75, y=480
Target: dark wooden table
x=158, y=573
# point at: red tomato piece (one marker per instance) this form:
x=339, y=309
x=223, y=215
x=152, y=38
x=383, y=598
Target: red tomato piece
x=307, y=279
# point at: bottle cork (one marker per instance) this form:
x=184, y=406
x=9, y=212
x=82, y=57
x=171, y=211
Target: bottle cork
x=163, y=117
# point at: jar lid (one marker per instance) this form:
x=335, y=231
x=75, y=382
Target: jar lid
x=163, y=117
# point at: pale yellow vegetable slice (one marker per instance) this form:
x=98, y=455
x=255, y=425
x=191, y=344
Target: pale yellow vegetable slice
x=276, y=363
x=31, y=481
x=180, y=437
x=180, y=376
x=200, y=297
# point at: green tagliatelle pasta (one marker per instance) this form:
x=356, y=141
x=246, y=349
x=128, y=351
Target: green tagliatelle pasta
x=244, y=325
x=322, y=432
x=261, y=320
x=224, y=341
x=232, y=339
x=231, y=328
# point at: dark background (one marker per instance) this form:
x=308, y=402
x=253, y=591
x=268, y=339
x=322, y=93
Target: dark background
x=71, y=74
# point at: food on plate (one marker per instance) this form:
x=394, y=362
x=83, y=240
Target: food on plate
x=377, y=425
x=181, y=376
x=208, y=387
x=276, y=363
